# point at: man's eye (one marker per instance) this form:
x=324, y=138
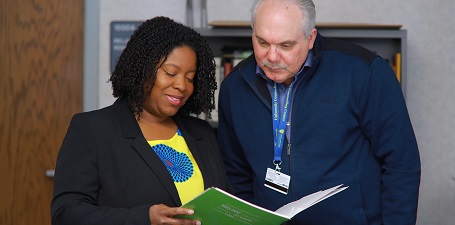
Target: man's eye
x=262, y=43
x=286, y=46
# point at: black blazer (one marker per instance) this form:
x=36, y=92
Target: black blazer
x=107, y=173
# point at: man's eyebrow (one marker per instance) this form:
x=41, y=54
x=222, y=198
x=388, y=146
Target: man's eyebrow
x=283, y=42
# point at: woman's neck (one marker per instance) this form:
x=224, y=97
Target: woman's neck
x=154, y=128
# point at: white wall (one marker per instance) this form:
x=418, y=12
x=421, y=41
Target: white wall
x=430, y=72
x=127, y=10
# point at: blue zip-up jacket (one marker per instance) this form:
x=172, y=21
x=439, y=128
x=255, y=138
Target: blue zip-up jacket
x=350, y=126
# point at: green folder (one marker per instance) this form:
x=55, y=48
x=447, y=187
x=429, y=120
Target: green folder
x=217, y=207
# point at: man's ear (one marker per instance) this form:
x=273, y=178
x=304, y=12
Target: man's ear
x=312, y=38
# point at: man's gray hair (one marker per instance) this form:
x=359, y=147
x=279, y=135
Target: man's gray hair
x=307, y=8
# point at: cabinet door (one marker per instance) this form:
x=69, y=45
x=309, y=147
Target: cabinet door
x=41, y=44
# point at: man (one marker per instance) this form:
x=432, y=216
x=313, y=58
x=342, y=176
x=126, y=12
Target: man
x=305, y=113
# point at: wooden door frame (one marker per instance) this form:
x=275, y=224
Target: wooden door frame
x=41, y=71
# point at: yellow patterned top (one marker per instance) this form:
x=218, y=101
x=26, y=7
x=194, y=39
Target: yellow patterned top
x=181, y=165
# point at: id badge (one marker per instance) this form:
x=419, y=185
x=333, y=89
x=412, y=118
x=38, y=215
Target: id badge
x=277, y=181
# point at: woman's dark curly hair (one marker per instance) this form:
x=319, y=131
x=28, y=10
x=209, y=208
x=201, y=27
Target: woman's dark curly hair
x=135, y=72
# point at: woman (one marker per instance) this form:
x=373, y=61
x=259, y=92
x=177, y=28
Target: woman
x=138, y=160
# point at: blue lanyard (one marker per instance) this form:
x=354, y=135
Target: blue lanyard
x=279, y=123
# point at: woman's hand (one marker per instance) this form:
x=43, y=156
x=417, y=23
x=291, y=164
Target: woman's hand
x=162, y=214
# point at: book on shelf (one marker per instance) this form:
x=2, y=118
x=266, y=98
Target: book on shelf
x=224, y=64
x=228, y=65
x=215, y=206
x=240, y=55
x=397, y=66
x=232, y=55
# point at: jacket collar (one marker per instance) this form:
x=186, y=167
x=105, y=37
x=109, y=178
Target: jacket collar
x=247, y=68
x=132, y=131
x=133, y=135
x=126, y=118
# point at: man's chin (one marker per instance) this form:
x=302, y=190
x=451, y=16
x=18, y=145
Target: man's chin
x=277, y=77
x=277, y=80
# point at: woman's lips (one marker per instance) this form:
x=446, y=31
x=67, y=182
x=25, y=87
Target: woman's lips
x=175, y=100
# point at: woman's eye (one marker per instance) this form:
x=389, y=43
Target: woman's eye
x=169, y=73
x=190, y=78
